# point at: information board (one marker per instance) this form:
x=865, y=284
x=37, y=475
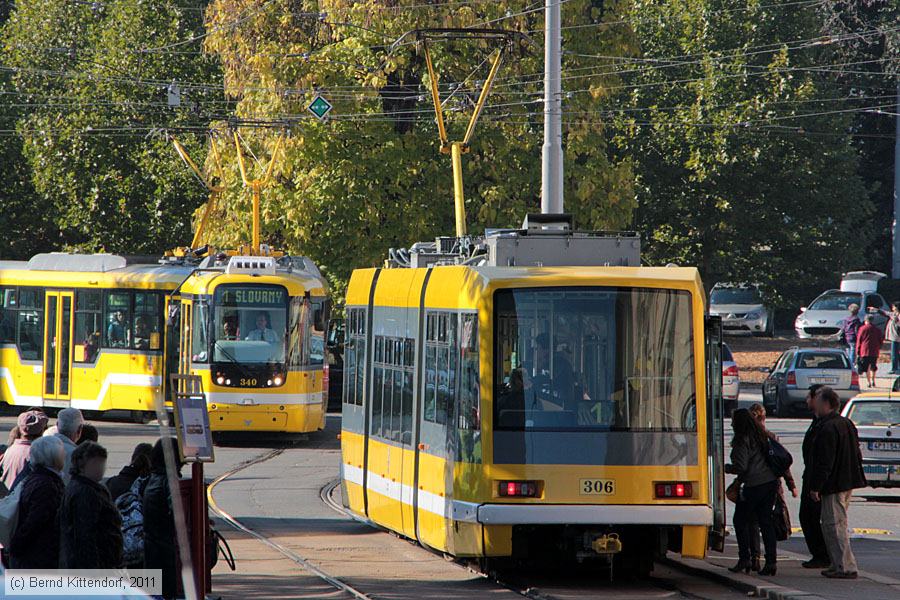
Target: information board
x=195, y=441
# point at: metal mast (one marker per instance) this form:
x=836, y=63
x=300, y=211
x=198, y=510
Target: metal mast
x=895, y=270
x=552, y=155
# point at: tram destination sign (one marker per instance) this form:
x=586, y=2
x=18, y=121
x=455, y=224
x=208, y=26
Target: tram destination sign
x=320, y=107
x=252, y=297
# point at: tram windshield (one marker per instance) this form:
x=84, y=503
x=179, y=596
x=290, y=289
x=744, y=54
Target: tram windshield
x=598, y=358
x=249, y=324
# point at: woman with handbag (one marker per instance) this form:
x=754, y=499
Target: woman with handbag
x=759, y=485
x=782, y=519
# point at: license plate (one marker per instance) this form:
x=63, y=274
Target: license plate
x=885, y=446
x=823, y=380
x=598, y=487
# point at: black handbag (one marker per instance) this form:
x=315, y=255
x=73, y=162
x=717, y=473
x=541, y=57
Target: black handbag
x=782, y=519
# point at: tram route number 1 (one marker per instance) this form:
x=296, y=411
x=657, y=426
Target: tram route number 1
x=598, y=487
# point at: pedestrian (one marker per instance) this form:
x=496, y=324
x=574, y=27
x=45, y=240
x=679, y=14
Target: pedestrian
x=837, y=470
x=869, y=339
x=69, y=423
x=811, y=510
x=31, y=426
x=759, y=413
x=90, y=525
x=35, y=541
x=892, y=334
x=759, y=485
x=849, y=327
x=138, y=467
x=89, y=433
x=160, y=546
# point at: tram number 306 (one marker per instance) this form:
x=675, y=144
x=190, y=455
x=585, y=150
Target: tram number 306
x=598, y=487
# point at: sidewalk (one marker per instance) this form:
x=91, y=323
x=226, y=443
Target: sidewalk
x=792, y=582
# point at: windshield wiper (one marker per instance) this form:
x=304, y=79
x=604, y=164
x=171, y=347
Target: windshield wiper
x=244, y=371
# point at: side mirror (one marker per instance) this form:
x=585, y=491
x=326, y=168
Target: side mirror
x=803, y=309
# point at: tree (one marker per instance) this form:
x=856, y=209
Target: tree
x=95, y=78
x=745, y=163
x=371, y=177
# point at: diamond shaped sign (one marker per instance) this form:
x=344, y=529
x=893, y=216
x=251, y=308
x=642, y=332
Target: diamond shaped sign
x=319, y=107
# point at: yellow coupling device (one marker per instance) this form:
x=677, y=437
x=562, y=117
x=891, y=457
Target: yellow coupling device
x=607, y=544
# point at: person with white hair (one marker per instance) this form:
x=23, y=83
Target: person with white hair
x=35, y=541
x=69, y=422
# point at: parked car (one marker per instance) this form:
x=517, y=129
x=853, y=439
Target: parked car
x=784, y=390
x=742, y=309
x=823, y=317
x=731, y=380
x=877, y=418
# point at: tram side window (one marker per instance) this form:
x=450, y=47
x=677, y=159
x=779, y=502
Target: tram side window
x=318, y=323
x=88, y=325
x=147, y=321
x=393, y=389
x=199, y=341
x=469, y=388
x=117, y=318
x=441, y=361
x=30, y=323
x=7, y=315
x=355, y=357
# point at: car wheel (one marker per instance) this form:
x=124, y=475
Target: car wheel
x=778, y=409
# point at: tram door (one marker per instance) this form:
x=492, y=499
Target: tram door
x=715, y=431
x=184, y=352
x=172, y=349
x=57, y=387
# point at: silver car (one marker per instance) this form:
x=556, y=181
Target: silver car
x=742, y=309
x=823, y=318
x=784, y=390
x=877, y=419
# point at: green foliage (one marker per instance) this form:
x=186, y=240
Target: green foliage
x=93, y=98
x=731, y=176
x=373, y=177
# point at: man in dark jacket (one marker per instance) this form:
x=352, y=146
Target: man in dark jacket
x=810, y=510
x=90, y=525
x=139, y=467
x=836, y=471
x=160, y=545
x=35, y=541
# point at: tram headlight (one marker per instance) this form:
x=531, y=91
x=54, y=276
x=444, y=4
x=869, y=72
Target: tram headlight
x=277, y=380
x=220, y=380
x=227, y=382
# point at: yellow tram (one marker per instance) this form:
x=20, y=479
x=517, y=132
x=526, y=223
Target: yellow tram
x=103, y=332
x=534, y=392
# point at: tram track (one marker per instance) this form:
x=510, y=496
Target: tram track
x=284, y=551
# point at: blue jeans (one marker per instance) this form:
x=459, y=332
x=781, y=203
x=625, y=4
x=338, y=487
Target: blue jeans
x=851, y=354
x=895, y=357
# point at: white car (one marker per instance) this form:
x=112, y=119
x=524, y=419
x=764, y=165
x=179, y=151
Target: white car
x=877, y=419
x=741, y=309
x=824, y=315
x=731, y=380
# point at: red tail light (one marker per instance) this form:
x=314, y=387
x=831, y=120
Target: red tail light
x=518, y=489
x=731, y=371
x=791, y=378
x=674, y=489
x=854, y=378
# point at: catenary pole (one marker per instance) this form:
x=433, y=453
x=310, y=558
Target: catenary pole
x=895, y=269
x=552, y=155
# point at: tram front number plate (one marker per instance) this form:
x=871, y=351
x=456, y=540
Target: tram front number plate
x=598, y=487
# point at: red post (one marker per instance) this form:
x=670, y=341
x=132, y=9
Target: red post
x=199, y=519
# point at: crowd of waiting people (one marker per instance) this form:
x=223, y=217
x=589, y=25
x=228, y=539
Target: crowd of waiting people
x=69, y=517
x=832, y=469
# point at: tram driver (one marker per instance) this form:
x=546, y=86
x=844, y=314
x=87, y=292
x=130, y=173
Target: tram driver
x=263, y=331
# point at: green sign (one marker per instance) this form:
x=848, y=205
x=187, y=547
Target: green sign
x=319, y=107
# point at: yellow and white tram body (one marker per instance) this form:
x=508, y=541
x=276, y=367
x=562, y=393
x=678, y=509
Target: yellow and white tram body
x=102, y=332
x=497, y=411
x=253, y=328
x=83, y=330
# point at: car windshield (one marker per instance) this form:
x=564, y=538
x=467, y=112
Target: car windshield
x=835, y=301
x=249, y=325
x=875, y=413
x=822, y=360
x=599, y=358
x=748, y=295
